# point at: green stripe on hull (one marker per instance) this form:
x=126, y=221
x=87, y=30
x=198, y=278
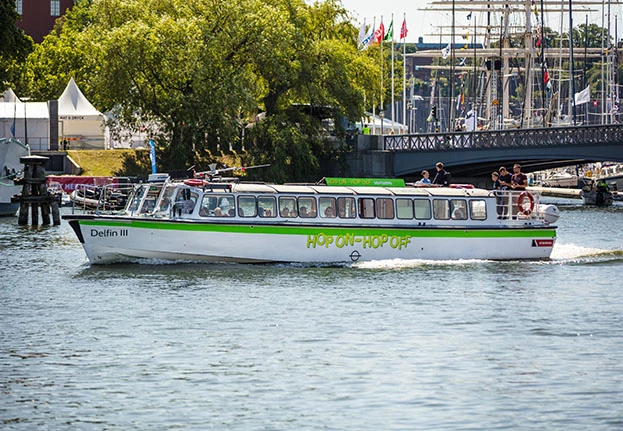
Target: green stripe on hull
x=424, y=232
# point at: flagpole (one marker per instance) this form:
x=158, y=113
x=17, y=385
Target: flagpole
x=404, y=71
x=393, y=97
x=373, y=92
x=381, y=107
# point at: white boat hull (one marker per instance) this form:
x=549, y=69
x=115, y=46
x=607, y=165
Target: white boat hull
x=117, y=239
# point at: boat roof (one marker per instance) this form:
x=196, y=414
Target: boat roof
x=315, y=189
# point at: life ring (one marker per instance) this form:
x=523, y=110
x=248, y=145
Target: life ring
x=521, y=207
x=193, y=182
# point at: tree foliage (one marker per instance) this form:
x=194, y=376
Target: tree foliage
x=14, y=47
x=202, y=70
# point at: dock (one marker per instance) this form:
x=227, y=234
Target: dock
x=558, y=192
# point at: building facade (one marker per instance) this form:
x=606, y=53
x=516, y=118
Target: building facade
x=38, y=16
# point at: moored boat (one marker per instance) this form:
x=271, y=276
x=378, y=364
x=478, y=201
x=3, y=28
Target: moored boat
x=336, y=221
x=11, y=150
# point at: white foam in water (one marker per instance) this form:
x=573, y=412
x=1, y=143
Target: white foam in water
x=412, y=263
x=573, y=251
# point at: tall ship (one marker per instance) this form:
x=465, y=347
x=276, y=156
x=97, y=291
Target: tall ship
x=516, y=65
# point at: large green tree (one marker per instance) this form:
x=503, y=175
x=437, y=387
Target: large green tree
x=203, y=69
x=14, y=48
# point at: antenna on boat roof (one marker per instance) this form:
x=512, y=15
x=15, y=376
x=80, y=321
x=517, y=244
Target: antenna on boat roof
x=213, y=172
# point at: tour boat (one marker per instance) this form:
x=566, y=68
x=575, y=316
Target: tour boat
x=334, y=221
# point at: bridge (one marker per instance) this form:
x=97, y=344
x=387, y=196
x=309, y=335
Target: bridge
x=477, y=154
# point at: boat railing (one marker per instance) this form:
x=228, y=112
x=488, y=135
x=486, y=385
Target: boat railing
x=516, y=205
x=100, y=199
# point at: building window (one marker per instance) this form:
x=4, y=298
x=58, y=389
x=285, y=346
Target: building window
x=19, y=6
x=55, y=7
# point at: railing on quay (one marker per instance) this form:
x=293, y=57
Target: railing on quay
x=510, y=138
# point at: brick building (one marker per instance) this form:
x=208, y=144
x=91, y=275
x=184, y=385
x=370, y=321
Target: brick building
x=38, y=16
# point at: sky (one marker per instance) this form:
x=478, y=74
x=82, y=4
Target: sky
x=369, y=9
x=422, y=23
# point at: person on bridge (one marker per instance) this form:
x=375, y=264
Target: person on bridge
x=519, y=180
x=442, y=177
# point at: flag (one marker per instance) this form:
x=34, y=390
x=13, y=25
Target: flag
x=389, y=36
x=469, y=16
x=403, y=29
x=379, y=34
x=546, y=79
x=362, y=33
x=368, y=39
x=583, y=96
x=445, y=52
x=152, y=155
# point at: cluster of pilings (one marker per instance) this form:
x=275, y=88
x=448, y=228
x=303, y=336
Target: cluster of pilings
x=35, y=195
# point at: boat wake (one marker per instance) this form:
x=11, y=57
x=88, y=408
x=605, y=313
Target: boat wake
x=572, y=253
x=415, y=263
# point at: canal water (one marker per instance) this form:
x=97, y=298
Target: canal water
x=391, y=345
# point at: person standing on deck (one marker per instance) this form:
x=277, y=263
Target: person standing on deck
x=505, y=179
x=519, y=180
x=425, y=177
x=442, y=176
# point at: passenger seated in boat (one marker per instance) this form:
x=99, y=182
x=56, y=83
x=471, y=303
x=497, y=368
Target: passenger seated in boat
x=231, y=212
x=303, y=212
x=329, y=212
x=204, y=212
x=342, y=212
x=218, y=212
x=293, y=213
x=285, y=212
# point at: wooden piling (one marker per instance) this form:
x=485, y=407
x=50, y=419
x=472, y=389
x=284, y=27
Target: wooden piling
x=35, y=194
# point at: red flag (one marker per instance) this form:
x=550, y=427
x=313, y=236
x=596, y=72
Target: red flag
x=379, y=34
x=403, y=29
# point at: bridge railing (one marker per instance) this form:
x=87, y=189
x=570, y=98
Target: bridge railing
x=511, y=138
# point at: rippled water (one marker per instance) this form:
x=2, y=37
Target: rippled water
x=389, y=345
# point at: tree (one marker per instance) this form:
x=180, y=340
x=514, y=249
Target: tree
x=14, y=47
x=200, y=71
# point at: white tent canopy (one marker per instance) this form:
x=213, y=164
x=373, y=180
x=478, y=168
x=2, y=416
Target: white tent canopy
x=72, y=105
x=28, y=122
x=79, y=122
x=9, y=96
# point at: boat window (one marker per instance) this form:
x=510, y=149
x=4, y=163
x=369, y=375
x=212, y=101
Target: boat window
x=366, y=208
x=247, y=206
x=149, y=203
x=217, y=206
x=404, y=208
x=478, y=209
x=459, y=209
x=346, y=207
x=385, y=208
x=137, y=196
x=422, y=209
x=327, y=207
x=185, y=201
x=307, y=207
x=441, y=209
x=166, y=198
x=287, y=207
x=267, y=206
